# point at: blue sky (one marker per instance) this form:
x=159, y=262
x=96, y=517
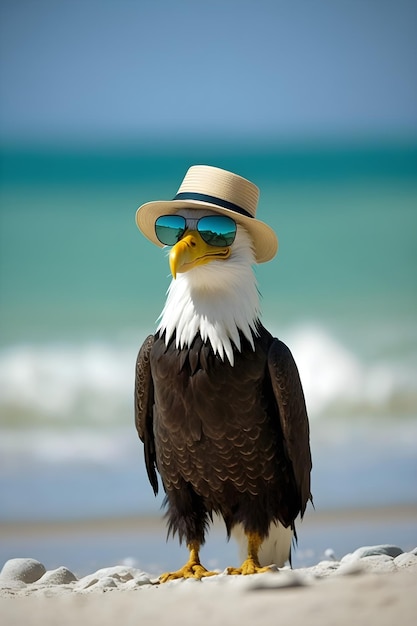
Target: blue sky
x=123, y=69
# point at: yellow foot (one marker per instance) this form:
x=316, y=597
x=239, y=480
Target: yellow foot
x=250, y=566
x=190, y=570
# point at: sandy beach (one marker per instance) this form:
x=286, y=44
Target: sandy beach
x=359, y=589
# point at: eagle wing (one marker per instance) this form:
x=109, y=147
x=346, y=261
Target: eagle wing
x=289, y=396
x=144, y=399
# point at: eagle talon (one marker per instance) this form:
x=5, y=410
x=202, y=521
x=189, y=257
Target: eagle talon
x=188, y=571
x=250, y=566
x=192, y=569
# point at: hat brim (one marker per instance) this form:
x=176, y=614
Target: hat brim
x=265, y=241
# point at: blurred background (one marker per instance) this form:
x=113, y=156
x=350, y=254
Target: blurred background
x=104, y=105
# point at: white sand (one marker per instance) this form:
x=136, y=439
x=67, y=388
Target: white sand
x=376, y=585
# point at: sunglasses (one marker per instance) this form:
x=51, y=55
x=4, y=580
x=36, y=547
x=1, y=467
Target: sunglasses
x=215, y=230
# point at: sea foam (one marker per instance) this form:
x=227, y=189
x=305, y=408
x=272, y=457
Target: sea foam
x=338, y=381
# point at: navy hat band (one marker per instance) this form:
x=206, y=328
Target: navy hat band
x=202, y=197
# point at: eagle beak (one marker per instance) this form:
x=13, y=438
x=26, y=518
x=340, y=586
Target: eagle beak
x=192, y=251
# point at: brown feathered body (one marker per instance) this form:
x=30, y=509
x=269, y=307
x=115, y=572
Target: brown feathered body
x=226, y=439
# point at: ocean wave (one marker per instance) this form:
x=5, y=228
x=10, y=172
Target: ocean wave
x=90, y=384
x=337, y=381
x=81, y=383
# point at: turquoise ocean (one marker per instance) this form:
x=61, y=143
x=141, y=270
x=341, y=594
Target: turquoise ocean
x=80, y=288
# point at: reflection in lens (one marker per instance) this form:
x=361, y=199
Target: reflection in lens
x=169, y=229
x=217, y=230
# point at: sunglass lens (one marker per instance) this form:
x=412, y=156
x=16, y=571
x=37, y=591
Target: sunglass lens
x=169, y=229
x=217, y=230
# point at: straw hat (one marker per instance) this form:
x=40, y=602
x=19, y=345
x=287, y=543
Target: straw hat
x=206, y=187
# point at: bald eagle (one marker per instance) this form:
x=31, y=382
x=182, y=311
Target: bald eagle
x=219, y=405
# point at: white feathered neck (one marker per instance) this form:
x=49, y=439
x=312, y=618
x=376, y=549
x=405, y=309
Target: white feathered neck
x=217, y=300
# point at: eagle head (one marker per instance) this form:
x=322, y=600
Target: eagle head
x=213, y=290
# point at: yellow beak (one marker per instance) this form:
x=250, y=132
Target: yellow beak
x=192, y=251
